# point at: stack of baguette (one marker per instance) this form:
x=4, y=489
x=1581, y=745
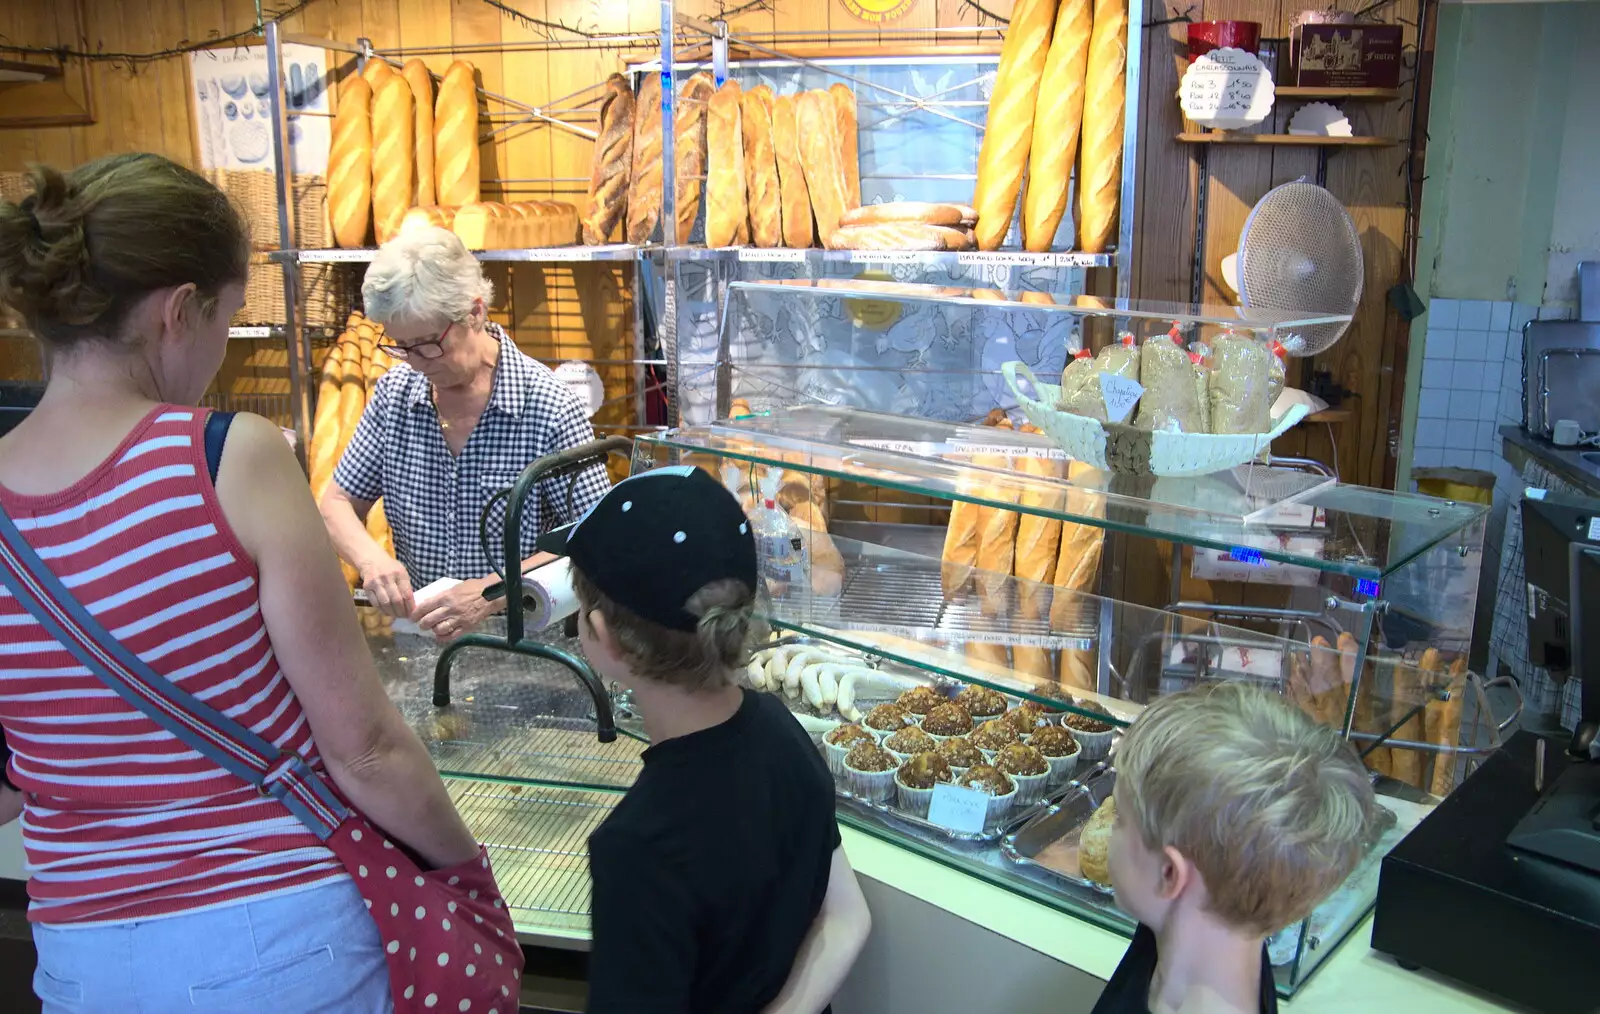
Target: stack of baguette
x=490, y=225
x=349, y=375
x=905, y=225
x=1055, y=561
x=1059, y=89
x=395, y=147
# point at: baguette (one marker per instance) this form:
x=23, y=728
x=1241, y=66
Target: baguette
x=424, y=191
x=817, y=120
x=691, y=143
x=799, y=226
x=1038, y=538
x=394, y=153
x=1078, y=564
x=1009, y=133
x=376, y=72
x=320, y=458
x=378, y=528
x=761, y=169
x=727, y=212
x=455, y=136
x=644, y=173
x=907, y=212
x=350, y=165
x=1056, y=121
x=1445, y=728
x=891, y=236
x=993, y=655
x=997, y=538
x=1078, y=667
x=1100, y=172
x=844, y=102
x=607, y=201
x=1034, y=662
x=1406, y=764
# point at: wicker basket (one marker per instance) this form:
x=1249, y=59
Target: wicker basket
x=13, y=187
x=1129, y=450
x=328, y=293
x=255, y=193
x=263, y=294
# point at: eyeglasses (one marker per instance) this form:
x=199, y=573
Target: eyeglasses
x=422, y=350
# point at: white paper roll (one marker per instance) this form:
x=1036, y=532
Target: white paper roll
x=547, y=595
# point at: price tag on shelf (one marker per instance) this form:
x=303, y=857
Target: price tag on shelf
x=961, y=810
x=756, y=255
x=1121, y=394
x=249, y=332
x=1023, y=259
x=336, y=256
x=893, y=257
x=1594, y=529
x=572, y=253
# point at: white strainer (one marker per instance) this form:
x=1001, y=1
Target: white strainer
x=1299, y=251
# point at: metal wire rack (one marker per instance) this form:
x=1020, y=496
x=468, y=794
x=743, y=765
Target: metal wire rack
x=538, y=840
x=562, y=751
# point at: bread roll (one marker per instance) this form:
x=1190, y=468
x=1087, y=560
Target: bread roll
x=691, y=142
x=607, y=201
x=1094, y=842
x=761, y=169
x=906, y=212
x=844, y=101
x=394, y=154
x=1100, y=168
x=1056, y=120
x=376, y=72
x=816, y=116
x=424, y=191
x=799, y=227
x=350, y=165
x=455, y=136
x=644, y=174
x=1009, y=133
x=727, y=213
x=889, y=236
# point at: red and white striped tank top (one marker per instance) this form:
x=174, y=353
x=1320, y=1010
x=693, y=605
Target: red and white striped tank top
x=122, y=820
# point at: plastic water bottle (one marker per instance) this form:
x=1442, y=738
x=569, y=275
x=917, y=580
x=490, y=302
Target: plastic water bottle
x=780, y=549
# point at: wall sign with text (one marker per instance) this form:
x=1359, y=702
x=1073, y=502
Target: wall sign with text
x=875, y=11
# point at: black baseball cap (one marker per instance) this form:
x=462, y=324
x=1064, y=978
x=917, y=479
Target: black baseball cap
x=656, y=539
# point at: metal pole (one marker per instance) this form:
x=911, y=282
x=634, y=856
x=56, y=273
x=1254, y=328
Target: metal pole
x=719, y=52
x=667, y=327
x=283, y=165
x=1130, y=148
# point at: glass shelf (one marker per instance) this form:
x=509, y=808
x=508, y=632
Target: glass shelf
x=1256, y=514
x=1238, y=317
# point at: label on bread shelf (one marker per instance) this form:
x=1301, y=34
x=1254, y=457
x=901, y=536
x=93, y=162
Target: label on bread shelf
x=961, y=810
x=895, y=256
x=1594, y=529
x=932, y=449
x=249, y=332
x=1023, y=259
x=336, y=256
x=1120, y=394
x=757, y=255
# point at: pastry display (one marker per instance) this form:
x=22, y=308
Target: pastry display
x=947, y=720
x=887, y=718
x=981, y=702
x=910, y=740
x=920, y=700
x=993, y=735
x=1094, y=843
x=959, y=752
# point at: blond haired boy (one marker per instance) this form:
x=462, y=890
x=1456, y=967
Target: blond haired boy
x=1235, y=815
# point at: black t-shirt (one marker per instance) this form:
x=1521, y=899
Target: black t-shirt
x=1128, y=992
x=711, y=870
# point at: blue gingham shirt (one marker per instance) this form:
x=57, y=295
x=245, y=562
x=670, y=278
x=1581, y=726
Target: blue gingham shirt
x=433, y=498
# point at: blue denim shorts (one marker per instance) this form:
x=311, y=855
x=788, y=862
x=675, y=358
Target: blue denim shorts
x=310, y=952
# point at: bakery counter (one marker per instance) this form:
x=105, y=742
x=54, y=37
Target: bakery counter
x=1576, y=465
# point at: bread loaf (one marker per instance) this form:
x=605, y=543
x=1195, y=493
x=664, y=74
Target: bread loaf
x=1056, y=120
x=320, y=456
x=844, y=102
x=761, y=169
x=434, y=217
x=644, y=173
x=607, y=201
x=906, y=212
x=562, y=223
x=394, y=154
x=727, y=213
x=816, y=116
x=1100, y=167
x=1009, y=132
x=350, y=165
x=889, y=236
x=477, y=226
x=690, y=140
x=424, y=192
x=799, y=227
x=455, y=136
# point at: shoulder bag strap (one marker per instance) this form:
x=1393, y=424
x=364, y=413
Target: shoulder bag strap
x=283, y=775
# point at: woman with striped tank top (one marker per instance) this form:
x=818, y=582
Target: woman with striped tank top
x=159, y=881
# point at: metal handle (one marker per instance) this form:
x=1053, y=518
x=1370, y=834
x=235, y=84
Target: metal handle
x=1505, y=681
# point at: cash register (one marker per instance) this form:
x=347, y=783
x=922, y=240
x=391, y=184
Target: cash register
x=1499, y=887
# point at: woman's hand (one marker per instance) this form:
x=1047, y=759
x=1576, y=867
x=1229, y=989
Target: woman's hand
x=388, y=586
x=455, y=612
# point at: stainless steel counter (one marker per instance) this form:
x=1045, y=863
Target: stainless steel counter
x=519, y=751
x=1579, y=466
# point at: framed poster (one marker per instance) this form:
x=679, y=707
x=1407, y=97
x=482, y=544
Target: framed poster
x=228, y=95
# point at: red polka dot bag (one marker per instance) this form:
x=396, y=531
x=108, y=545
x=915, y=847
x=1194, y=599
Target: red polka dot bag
x=447, y=933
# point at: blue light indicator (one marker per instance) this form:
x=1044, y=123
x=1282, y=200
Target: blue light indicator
x=1368, y=587
x=1243, y=555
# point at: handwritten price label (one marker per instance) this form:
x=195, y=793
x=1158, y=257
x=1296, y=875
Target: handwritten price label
x=336, y=256
x=961, y=810
x=1019, y=259
x=249, y=332
x=753, y=255
x=1227, y=89
x=1121, y=394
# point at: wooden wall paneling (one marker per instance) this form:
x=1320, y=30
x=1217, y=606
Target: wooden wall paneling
x=526, y=154
x=1163, y=229
x=958, y=13
x=380, y=22
x=427, y=23
x=476, y=22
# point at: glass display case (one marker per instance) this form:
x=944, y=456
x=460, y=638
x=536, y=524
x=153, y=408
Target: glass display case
x=1363, y=637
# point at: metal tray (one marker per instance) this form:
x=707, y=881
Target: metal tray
x=988, y=837
x=1062, y=823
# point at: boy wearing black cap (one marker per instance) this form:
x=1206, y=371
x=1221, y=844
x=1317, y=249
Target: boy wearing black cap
x=719, y=883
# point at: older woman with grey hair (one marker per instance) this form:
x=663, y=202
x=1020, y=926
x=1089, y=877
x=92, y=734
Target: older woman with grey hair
x=457, y=421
